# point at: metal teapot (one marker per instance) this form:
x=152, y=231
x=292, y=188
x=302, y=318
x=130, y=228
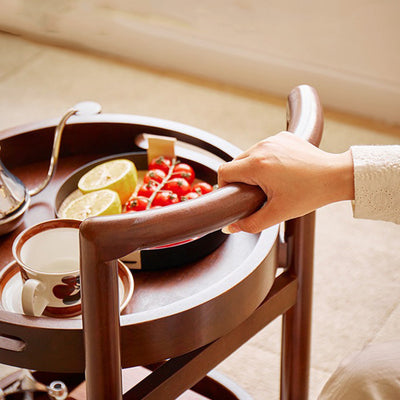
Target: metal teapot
x=14, y=196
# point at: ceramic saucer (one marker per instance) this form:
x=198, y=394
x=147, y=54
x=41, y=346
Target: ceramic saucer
x=11, y=286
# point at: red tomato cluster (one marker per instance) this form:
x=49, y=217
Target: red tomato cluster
x=166, y=183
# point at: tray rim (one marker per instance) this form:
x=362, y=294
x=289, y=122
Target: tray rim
x=192, y=133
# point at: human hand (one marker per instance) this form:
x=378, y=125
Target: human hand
x=296, y=177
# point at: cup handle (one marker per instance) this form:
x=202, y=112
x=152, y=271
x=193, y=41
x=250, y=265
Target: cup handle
x=33, y=302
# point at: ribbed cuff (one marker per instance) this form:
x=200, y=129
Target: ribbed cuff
x=377, y=182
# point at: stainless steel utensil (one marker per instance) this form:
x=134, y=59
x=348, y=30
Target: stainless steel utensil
x=14, y=196
x=24, y=382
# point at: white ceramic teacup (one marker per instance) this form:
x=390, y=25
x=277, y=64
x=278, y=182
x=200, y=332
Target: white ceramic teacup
x=48, y=258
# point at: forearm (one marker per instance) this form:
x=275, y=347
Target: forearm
x=298, y=178
x=339, y=184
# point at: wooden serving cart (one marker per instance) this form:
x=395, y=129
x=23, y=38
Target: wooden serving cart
x=181, y=322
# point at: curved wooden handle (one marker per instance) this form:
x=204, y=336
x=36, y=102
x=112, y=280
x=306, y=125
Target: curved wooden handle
x=304, y=114
x=121, y=234
x=116, y=236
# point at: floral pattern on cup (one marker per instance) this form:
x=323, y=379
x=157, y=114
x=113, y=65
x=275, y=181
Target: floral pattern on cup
x=69, y=292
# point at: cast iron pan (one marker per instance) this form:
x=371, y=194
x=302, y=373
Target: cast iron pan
x=158, y=258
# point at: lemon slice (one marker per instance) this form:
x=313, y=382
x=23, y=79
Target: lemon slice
x=119, y=175
x=100, y=202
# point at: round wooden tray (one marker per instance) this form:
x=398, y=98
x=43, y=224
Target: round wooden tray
x=172, y=312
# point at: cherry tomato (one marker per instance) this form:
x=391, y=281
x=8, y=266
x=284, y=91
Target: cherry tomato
x=136, y=204
x=202, y=188
x=184, y=171
x=147, y=189
x=165, y=198
x=163, y=163
x=179, y=186
x=189, y=196
x=157, y=175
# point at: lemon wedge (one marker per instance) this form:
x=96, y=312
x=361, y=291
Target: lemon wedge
x=119, y=175
x=100, y=202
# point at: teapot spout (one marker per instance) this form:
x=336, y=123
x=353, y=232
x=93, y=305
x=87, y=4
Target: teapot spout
x=82, y=108
x=14, y=196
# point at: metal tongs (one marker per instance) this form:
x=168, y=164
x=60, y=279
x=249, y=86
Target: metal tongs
x=22, y=381
x=14, y=196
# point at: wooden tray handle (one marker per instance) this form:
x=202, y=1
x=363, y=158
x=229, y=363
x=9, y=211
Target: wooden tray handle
x=103, y=239
x=304, y=114
x=116, y=236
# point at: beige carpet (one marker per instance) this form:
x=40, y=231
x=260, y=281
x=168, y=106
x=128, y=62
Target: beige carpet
x=357, y=274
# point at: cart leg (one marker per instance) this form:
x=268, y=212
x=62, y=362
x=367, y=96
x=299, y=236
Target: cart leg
x=101, y=329
x=296, y=322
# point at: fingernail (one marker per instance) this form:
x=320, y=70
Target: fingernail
x=230, y=229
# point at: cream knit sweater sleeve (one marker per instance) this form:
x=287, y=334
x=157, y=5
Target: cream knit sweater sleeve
x=377, y=182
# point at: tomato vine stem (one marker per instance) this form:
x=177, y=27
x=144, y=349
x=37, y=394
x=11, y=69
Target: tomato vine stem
x=162, y=183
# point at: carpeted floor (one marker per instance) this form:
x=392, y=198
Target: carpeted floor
x=357, y=262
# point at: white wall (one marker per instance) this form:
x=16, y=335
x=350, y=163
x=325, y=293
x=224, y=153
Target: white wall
x=348, y=49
